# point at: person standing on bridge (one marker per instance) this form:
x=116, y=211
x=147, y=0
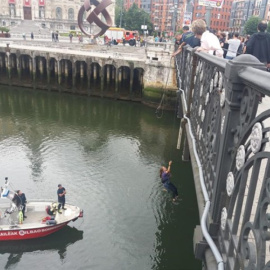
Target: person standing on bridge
x=259, y=44
x=165, y=175
x=209, y=42
x=188, y=38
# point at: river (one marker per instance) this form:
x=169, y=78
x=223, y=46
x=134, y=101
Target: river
x=107, y=155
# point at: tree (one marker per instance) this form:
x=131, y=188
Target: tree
x=133, y=18
x=251, y=25
x=4, y=29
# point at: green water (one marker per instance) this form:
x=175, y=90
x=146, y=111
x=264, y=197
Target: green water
x=107, y=155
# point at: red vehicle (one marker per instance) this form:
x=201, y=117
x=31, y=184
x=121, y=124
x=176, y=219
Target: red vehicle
x=118, y=34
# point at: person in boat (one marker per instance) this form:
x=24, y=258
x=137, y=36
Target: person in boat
x=52, y=209
x=23, y=202
x=165, y=174
x=61, y=192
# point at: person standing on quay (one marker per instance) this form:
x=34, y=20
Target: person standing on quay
x=61, y=192
x=70, y=37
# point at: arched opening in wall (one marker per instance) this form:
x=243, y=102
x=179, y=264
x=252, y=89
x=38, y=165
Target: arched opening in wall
x=13, y=67
x=41, y=72
x=95, y=79
x=25, y=62
x=66, y=75
x=81, y=77
x=3, y=68
x=137, y=86
x=124, y=82
x=53, y=72
x=109, y=80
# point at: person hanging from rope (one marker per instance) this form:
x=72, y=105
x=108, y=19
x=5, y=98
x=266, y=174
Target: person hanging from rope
x=165, y=174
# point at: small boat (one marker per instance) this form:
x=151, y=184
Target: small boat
x=42, y=219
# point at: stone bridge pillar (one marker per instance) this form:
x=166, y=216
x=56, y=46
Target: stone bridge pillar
x=102, y=71
x=8, y=65
x=19, y=66
x=59, y=71
x=34, y=68
x=131, y=79
x=89, y=73
x=74, y=73
x=117, y=74
x=49, y=68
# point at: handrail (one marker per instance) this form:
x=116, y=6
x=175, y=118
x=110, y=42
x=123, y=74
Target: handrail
x=256, y=78
x=209, y=240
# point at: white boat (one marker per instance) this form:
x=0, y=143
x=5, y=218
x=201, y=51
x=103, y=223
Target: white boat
x=39, y=222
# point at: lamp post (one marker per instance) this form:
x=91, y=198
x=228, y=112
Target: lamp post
x=174, y=11
x=121, y=14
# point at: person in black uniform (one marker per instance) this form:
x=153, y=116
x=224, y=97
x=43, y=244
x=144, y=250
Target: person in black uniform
x=23, y=201
x=61, y=192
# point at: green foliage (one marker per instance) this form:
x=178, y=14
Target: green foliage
x=4, y=29
x=133, y=18
x=268, y=28
x=251, y=25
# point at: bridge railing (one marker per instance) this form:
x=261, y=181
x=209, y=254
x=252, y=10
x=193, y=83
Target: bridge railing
x=231, y=130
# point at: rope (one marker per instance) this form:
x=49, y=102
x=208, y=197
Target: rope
x=160, y=108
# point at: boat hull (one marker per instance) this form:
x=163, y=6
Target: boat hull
x=22, y=234
x=38, y=222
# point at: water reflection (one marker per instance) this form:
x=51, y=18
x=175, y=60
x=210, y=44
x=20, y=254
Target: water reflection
x=106, y=154
x=58, y=241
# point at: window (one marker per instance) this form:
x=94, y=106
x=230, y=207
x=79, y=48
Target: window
x=12, y=10
x=58, y=13
x=71, y=14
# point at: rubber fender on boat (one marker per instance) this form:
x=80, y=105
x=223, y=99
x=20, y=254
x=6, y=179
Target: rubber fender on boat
x=50, y=222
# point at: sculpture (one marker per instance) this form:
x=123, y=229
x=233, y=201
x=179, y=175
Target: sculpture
x=93, y=16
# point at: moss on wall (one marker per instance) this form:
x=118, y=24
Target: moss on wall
x=152, y=96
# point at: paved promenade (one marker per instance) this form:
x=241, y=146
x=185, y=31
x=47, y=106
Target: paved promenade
x=86, y=48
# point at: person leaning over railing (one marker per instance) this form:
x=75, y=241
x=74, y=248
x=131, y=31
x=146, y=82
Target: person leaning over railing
x=209, y=42
x=188, y=38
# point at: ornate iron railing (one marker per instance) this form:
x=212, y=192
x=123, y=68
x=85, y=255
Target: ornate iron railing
x=231, y=135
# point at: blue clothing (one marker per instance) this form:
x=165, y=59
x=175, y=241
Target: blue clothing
x=165, y=179
x=60, y=191
x=171, y=187
x=190, y=39
x=61, y=199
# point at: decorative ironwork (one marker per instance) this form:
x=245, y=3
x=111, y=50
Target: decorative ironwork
x=256, y=138
x=93, y=16
x=223, y=218
x=231, y=142
x=240, y=157
x=230, y=183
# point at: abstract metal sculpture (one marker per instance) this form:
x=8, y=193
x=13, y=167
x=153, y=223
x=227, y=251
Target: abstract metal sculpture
x=93, y=16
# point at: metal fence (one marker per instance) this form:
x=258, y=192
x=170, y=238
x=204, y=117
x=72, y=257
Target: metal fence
x=231, y=129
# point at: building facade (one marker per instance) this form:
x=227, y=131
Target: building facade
x=220, y=17
x=53, y=14
x=166, y=15
x=267, y=11
x=242, y=10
